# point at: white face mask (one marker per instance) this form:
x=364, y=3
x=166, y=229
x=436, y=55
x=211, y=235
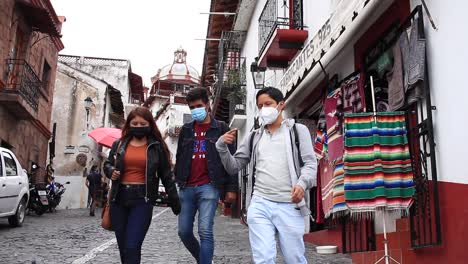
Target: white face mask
x=268, y=115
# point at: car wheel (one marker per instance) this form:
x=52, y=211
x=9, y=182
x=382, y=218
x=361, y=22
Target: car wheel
x=18, y=218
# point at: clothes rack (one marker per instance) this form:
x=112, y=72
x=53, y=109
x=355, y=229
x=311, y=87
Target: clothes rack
x=386, y=255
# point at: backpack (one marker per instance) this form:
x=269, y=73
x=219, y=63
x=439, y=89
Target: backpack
x=296, y=142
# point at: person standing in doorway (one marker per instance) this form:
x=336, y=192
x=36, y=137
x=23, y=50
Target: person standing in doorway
x=283, y=168
x=93, y=182
x=135, y=164
x=201, y=176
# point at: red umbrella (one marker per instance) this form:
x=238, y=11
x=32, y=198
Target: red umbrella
x=105, y=136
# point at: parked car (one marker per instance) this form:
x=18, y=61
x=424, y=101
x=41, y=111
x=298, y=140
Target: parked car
x=14, y=188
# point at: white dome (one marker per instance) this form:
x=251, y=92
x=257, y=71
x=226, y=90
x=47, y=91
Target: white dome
x=179, y=70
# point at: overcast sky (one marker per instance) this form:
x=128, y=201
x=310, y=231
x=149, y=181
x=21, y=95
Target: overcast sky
x=147, y=32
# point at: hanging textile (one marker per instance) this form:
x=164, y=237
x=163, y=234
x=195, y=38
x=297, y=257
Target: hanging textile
x=377, y=163
x=319, y=215
x=320, y=141
x=413, y=52
x=339, y=206
x=396, y=89
x=326, y=180
x=334, y=125
x=353, y=95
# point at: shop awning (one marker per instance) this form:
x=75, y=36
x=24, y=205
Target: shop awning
x=335, y=34
x=116, y=100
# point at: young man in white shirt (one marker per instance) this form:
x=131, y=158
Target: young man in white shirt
x=283, y=168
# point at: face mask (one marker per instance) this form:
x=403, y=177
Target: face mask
x=199, y=114
x=268, y=115
x=140, y=132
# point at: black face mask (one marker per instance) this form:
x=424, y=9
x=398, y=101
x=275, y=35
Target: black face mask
x=140, y=132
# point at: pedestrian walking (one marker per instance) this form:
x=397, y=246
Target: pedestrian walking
x=93, y=182
x=201, y=176
x=135, y=164
x=283, y=168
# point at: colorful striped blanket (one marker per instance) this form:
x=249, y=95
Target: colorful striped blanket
x=326, y=180
x=377, y=163
x=339, y=205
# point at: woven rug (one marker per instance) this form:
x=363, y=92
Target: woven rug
x=339, y=205
x=377, y=163
x=326, y=180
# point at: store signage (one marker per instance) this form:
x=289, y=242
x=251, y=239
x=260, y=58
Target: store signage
x=69, y=149
x=341, y=18
x=83, y=148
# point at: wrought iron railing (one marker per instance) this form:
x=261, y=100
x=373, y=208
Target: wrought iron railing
x=424, y=215
x=23, y=80
x=425, y=212
x=357, y=235
x=276, y=15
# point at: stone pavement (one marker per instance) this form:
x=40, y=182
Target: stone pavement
x=71, y=236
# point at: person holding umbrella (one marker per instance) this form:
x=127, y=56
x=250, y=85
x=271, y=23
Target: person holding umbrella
x=135, y=164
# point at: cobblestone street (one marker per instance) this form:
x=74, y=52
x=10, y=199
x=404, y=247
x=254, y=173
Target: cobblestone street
x=71, y=236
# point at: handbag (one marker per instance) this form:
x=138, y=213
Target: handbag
x=106, y=219
x=106, y=222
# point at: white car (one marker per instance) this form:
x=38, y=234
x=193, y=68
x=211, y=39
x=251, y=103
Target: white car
x=14, y=188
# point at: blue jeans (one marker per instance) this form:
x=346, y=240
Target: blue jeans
x=265, y=217
x=131, y=218
x=203, y=199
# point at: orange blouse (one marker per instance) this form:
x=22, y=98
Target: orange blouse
x=135, y=164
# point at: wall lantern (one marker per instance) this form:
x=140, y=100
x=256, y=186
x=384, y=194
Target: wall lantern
x=88, y=103
x=258, y=74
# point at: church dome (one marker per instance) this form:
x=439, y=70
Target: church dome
x=179, y=71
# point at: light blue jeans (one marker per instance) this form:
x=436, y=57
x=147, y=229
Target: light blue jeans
x=264, y=218
x=203, y=199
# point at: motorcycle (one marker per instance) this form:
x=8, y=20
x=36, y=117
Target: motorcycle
x=38, y=201
x=55, y=190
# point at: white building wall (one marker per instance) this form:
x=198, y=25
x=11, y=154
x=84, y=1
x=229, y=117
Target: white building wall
x=172, y=117
x=448, y=57
x=71, y=88
x=316, y=12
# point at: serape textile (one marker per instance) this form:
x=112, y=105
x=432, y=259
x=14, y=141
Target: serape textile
x=339, y=204
x=377, y=163
x=326, y=180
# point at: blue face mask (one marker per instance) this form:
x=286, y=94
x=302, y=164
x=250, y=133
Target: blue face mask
x=199, y=114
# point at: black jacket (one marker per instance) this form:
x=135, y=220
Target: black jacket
x=216, y=172
x=157, y=167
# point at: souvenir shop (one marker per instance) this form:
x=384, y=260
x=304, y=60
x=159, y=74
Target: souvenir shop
x=372, y=133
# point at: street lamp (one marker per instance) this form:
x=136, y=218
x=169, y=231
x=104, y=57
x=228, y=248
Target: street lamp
x=258, y=74
x=88, y=102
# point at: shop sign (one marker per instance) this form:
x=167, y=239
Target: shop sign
x=69, y=149
x=83, y=149
x=331, y=30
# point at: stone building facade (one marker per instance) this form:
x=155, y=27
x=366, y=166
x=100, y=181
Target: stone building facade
x=112, y=89
x=29, y=46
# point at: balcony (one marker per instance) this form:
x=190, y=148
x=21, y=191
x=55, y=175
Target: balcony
x=281, y=33
x=21, y=93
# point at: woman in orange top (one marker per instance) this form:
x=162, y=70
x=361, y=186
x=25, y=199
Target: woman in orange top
x=136, y=163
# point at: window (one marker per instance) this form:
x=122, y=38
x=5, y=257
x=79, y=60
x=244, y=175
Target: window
x=10, y=165
x=46, y=75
